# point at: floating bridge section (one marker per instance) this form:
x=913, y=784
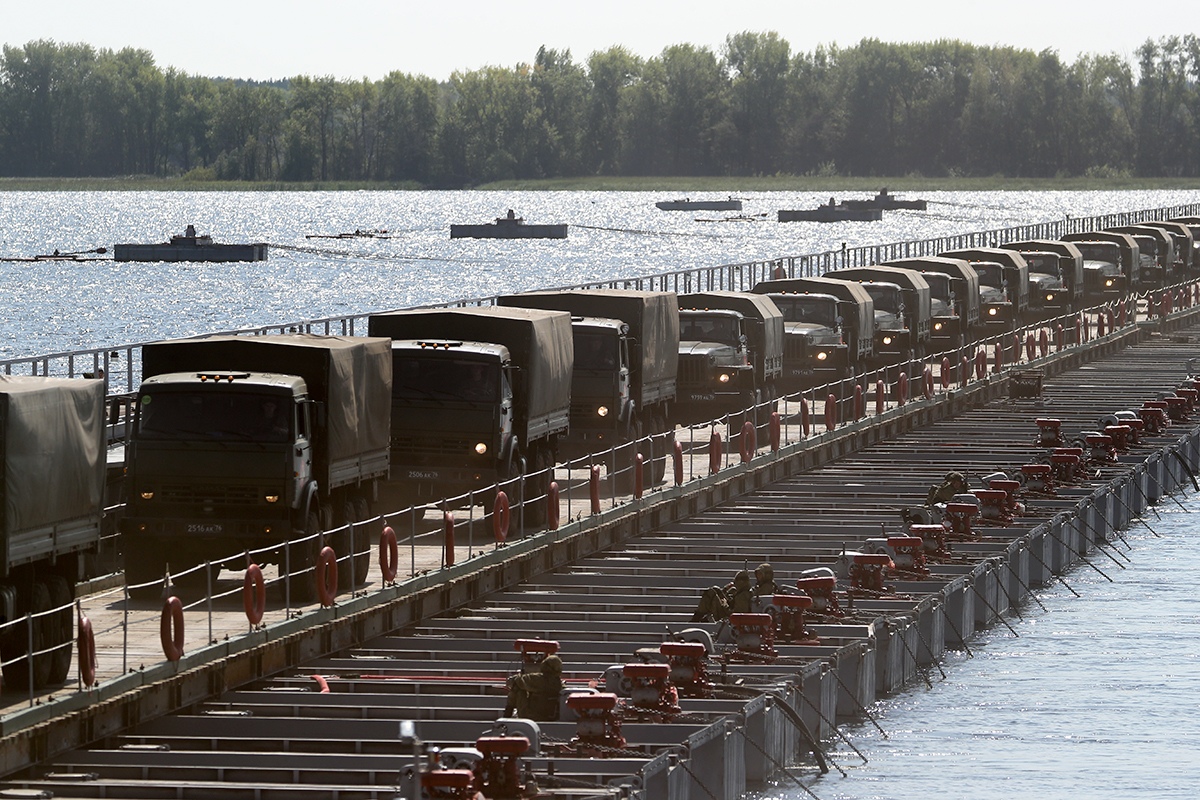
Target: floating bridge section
x=247, y=718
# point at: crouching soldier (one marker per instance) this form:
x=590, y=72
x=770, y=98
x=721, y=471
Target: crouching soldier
x=954, y=483
x=718, y=602
x=534, y=695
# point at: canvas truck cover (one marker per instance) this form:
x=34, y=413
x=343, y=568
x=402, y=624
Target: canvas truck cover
x=765, y=328
x=957, y=269
x=862, y=327
x=653, y=320
x=540, y=343
x=52, y=454
x=907, y=279
x=351, y=375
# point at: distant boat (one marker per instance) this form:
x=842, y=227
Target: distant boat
x=832, y=212
x=375, y=233
x=687, y=204
x=190, y=246
x=886, y=202
x=508, y=227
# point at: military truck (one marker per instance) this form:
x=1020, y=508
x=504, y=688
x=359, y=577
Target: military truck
x=52, y=457
x=624, y=380
x=828, y=329
x=903, y=310
x=954, y=298
x=730, y=353
x=1003, y=285
x=1183, y=247
x=1110, y=260
x=244, y=442
x=1193, y=226
x=1055, y=275
x=480, y=396
x=1157, y=255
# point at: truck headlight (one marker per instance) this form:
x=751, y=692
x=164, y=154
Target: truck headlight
x=993, y=311
x=147, y=495
x=724, y=377
x=602, y=411
x=271, y=498
x=887, y=340
x=481, y=448
x=821, y=356
x=937, y=326
x=1049, y=297
x=1108, y=283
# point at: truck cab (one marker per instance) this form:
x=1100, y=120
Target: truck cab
x=903, y=310
x=1110, y=261
x=452, y=415
x=1157, y=254
x=715, y=373
x=218, y=462
x=1193, y=261
x=828, y=329
x=1183, y=245
x=1003, y=285
x=1055, y=275
x=954, y=292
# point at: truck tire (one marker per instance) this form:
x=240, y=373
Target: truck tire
x=368, y=539
x=142, y=568
x=664, y=445
x=302, y=581
x=622, y=477
x=62, y=629
x=17, y=674
x=537, y=486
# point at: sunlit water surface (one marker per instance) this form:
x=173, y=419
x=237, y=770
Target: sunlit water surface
x=1094, y=698
x=54, y=307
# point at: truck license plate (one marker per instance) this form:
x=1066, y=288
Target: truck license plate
x=703, y=398
x=204, y=527
x=422, y=475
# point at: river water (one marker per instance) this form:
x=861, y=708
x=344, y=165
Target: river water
x=56, y=306
x=1094, y=698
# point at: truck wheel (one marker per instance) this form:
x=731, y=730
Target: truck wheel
x=17, y=674
x=61, y=627
x=142, y=568
x=664, y=446
x=303, y=581
x=366, y=538
x=537, y=485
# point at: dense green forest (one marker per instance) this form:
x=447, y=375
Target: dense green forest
x=937, y=109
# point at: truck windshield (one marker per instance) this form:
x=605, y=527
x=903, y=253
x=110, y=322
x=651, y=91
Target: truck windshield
x=1043, y=264
x=939, y=285
x=418, y=377
x=887, y=296
x=1099, y=251
x=214, y=415
x=596, y=351
x=990, y=274
x=819, y=310
x=696, y=328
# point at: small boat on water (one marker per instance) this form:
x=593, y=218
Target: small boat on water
x=887, y=202
x=509, y=226
x=82, y=255
x=687, y=204
x=190, y=246
x=831, y=212
x=376, y=233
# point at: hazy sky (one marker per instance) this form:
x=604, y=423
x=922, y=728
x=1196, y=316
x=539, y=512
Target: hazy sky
x=264, y=39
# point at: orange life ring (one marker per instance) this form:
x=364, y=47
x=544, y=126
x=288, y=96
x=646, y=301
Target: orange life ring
x=326, y=575
x=553, y=508
x=254, y=594
x=389, y=554
x=749, y=444
x=501, y=516
x=170, y=629
x=86, y=644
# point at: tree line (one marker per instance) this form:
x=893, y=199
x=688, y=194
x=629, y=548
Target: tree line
x=944, y=108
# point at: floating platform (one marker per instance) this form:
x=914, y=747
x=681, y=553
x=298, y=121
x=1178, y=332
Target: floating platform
x=687, y=204
x=887, y=202
x=190, y=247
x=508, y=227
x=832, y=213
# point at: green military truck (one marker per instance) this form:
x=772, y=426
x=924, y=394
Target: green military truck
x=828, y=329
x=624, y=380
x=903, y=310
x=52, y=458
x=954, y=298
x=730, y=353
x=480, y=396
x=1110, y=262
x=244, y=442
x=1003, y=286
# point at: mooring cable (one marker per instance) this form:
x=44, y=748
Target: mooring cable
x=992, y=609
x=853, y=696
x=1053, y=574
x=1024, y=585
x=833, y=726
x=781, y=767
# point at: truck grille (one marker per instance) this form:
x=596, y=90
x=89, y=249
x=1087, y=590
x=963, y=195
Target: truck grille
x=415, y=449
x=215, y=494
x=693, y=370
